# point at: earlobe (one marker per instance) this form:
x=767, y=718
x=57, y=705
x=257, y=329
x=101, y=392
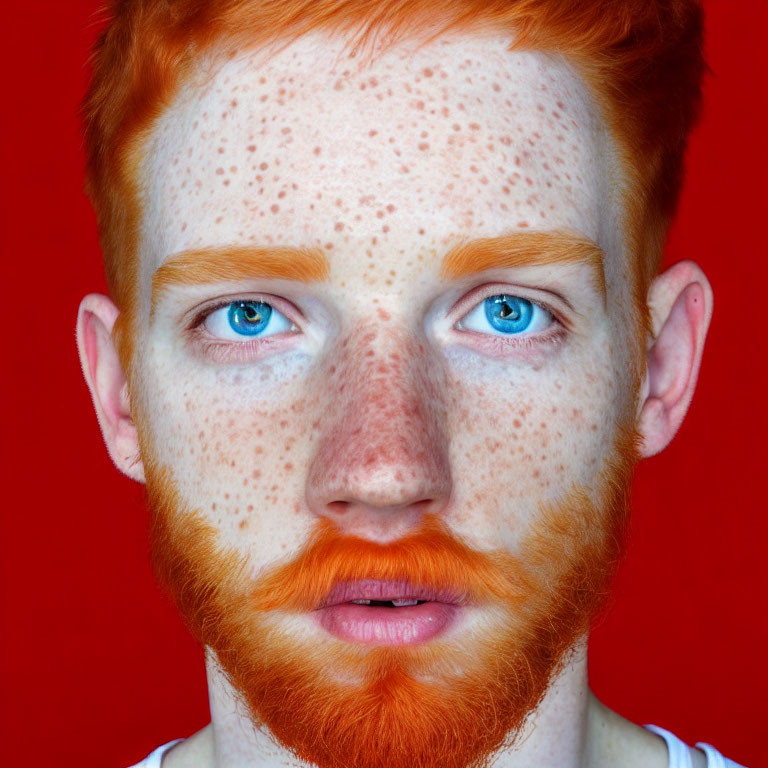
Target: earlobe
x=680, y=303
x=107, y=383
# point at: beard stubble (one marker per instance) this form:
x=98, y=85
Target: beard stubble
x=452, y=702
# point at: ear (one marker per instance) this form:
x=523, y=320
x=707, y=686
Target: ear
x=105, y=378
x=680, y=304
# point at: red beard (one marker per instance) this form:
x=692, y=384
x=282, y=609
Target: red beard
x=448, y=703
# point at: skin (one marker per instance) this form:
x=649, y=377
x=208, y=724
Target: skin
x=378, y=407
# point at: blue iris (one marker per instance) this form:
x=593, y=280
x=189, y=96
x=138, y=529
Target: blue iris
x=249, y=318
x=508, y=314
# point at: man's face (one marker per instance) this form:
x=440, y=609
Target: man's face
x=417, y=379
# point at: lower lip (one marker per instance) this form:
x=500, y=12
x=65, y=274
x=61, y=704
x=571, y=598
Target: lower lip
x=377, y=625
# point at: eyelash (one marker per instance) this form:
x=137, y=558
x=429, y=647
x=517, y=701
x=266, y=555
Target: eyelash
x=500, y=345
x=223, y=351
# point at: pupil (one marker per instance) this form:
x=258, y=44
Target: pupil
x=251, y=315
x=507, y=311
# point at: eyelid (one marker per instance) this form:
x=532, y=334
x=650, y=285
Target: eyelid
x=198, y=315
x=470, y=300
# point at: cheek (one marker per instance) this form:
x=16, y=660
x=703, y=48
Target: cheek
x=522, y=437
x=236, y=448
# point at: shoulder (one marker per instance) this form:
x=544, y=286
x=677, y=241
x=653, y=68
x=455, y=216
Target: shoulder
x=615, y=741
x=155, y=758
x=682, y=756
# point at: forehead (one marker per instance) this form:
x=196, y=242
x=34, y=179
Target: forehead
x=410, y=150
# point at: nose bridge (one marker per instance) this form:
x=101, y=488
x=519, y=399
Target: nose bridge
x=382, y=444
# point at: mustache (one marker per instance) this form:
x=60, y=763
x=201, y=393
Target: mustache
x=431, y=562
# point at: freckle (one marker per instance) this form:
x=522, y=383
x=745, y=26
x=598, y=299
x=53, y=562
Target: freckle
x=281, y=194
x=339, y=226
x=243, y=523
x=221, y=152
x=233, y=168
x=423, y=146
x=385, y=228
x=496, y=87
x=427, y=72
x=219, y=171
x=419, y=104
x=421, y=232
x=405, y=169
x=328, y=246
x=274, y=207
x=219, y=219
x=517, y=423
x=456, y=127
x=213, y=506
x=391, y=208
x=263, y=166
x=226, y=182
x=522, y=224
x=474, y=126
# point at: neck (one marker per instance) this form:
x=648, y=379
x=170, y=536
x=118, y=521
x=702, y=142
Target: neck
x=557, y=735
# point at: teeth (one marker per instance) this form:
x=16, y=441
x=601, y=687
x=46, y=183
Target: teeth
x=396, y=603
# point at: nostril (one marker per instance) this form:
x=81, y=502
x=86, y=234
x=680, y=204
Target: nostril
x=338, y=507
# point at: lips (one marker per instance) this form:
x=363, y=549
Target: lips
x=387, y=612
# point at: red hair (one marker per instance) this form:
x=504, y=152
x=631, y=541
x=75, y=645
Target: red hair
x=642, y=59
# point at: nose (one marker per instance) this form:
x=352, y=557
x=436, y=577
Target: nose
x=382, y=459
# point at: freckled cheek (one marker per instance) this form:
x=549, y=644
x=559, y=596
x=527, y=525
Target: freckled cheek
x=509, y=455
x=241, y=467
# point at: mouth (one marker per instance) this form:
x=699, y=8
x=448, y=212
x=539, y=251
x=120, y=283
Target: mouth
x=377, y=612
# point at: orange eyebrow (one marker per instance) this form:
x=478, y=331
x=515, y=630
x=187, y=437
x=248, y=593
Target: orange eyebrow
x=522, y=249
x=214, y=265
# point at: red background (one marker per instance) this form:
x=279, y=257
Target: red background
x=97, y=668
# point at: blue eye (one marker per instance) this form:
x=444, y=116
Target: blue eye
x=249, y=318
x=245, y=319
x=506, y=315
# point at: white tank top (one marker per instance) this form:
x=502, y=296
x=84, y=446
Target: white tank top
x=679, y=754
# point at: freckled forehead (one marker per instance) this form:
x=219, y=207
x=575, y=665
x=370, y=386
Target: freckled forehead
x=310, y=147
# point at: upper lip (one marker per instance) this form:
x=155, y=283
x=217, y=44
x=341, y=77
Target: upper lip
x=374, y=589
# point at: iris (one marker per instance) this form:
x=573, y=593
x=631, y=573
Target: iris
x=509, y=314
x=249, y=318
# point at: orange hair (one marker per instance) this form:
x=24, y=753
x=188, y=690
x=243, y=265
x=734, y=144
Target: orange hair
x=642, y=59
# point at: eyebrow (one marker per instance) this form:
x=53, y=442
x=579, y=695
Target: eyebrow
x=524, y=249
x=214, y=265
